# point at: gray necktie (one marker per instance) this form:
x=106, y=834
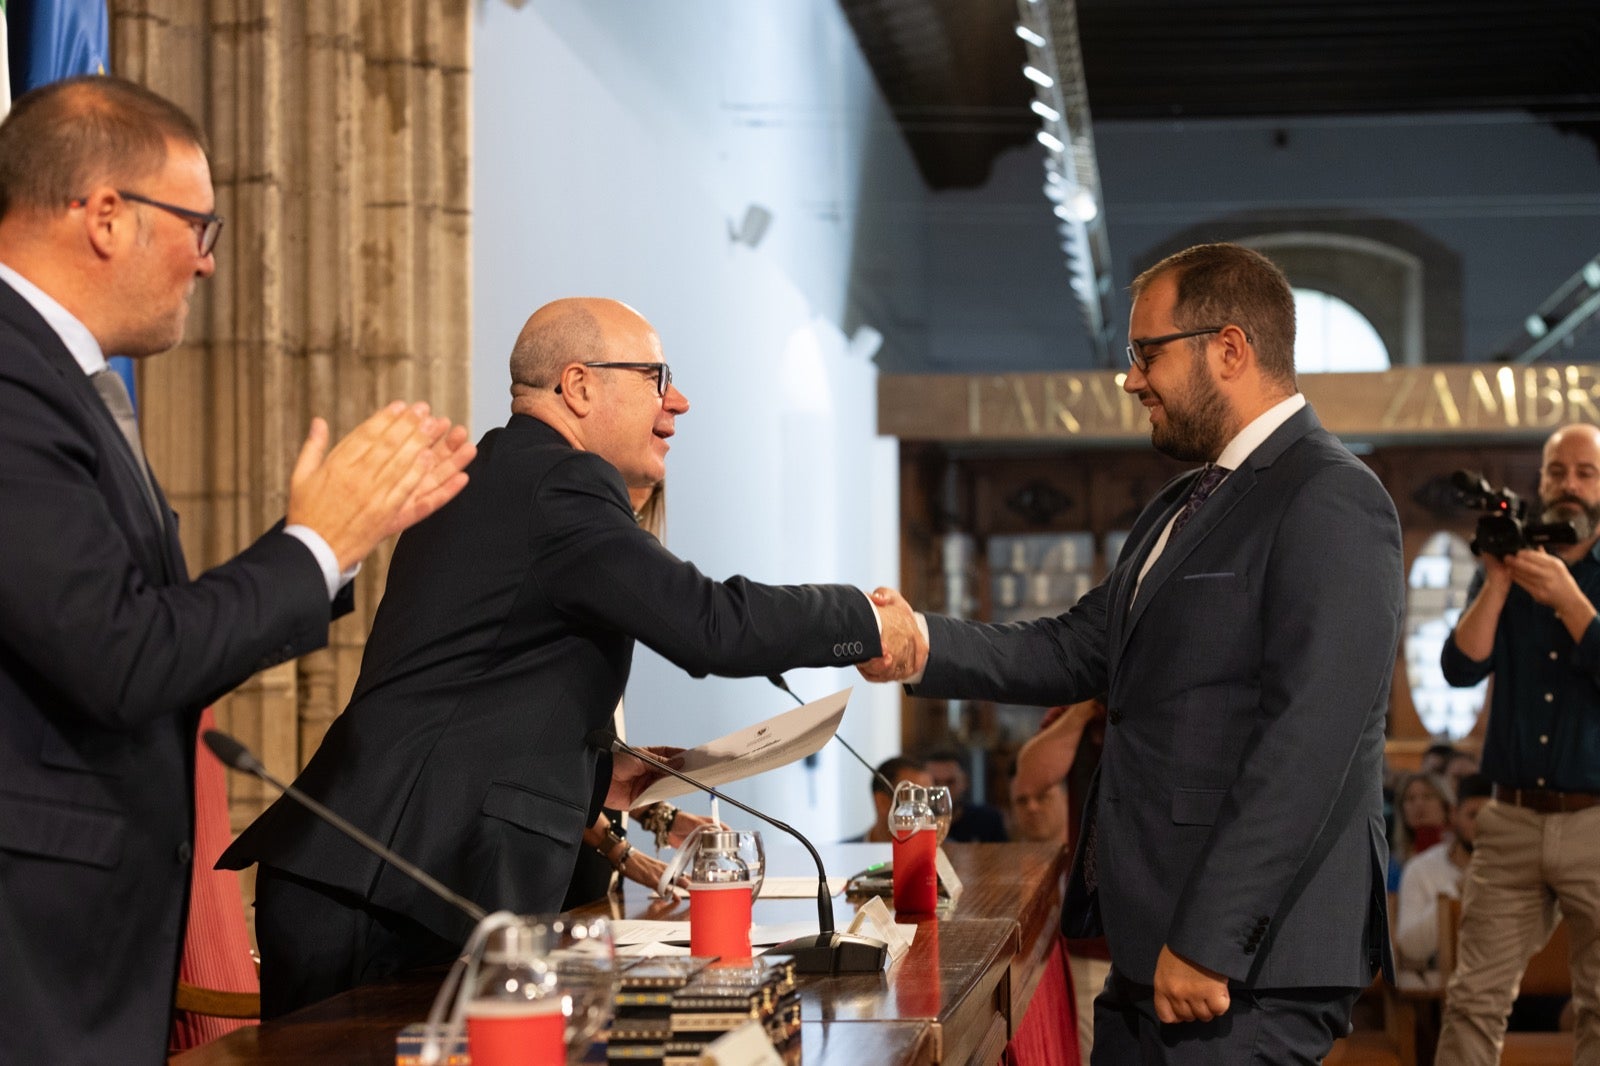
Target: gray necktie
x=108, y=383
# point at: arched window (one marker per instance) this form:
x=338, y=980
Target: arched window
x=1332, y=335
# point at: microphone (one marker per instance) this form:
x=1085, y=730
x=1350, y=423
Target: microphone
x=234, y=754
x=828, y=951
x=888, y=786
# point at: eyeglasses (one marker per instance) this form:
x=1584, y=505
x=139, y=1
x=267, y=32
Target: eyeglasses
x=662, y=372
x=207, y=227
x=1137, y=345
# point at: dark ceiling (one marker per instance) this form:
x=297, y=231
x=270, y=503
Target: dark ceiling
x=951, y=69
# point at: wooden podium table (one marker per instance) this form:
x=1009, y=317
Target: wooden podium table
x=957, y=996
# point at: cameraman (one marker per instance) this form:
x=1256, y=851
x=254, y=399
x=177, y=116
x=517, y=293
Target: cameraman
x=1531, y=623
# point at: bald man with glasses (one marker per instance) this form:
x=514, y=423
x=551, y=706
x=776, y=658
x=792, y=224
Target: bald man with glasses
x=505, y=636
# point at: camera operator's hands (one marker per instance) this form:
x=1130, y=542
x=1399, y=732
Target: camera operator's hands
x=1543, y=576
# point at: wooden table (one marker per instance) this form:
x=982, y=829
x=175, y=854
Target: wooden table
x=956, y=996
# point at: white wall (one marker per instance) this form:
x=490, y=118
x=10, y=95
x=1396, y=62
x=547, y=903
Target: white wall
x=613, y=145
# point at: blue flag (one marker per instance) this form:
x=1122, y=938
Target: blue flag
x=55, y=39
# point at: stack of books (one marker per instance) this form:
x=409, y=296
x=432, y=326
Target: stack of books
x=668, y=1010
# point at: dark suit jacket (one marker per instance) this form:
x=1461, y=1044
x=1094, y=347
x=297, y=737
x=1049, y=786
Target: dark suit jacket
x=505, y=635
x=108, y=652
x=1239, y=810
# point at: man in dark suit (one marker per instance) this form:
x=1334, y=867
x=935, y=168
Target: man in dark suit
x=505, y=635
x=1234, y=852
x=108, y=649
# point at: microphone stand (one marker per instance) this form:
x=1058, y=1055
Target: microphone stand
x=829, y=951
x=778, y=681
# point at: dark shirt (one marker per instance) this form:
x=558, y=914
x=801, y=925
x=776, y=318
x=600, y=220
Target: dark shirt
x=1544, y=718
x=978, y=823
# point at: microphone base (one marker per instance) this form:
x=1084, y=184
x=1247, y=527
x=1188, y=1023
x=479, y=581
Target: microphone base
x=834, y=953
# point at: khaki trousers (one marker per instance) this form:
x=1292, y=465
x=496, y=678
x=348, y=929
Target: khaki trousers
x=1525, y=866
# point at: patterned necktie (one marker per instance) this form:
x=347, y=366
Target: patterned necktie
x=108, y=383
x=1203, y=487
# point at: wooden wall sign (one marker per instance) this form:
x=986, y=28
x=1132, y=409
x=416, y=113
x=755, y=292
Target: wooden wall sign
x=1412, y=405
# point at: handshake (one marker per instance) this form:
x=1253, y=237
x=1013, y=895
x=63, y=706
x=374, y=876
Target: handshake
x=905, y=645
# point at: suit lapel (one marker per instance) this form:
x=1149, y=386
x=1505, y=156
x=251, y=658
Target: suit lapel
x=1233, y=489
x=108, y=435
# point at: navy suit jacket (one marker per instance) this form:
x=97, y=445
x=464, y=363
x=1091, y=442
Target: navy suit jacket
x=505, y=635
x=1238, y=812
x=108, y=653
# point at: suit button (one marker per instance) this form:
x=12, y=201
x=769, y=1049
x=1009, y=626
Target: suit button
x=185, y=853
x=1115, y=715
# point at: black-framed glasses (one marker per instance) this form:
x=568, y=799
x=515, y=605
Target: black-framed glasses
x=1137, y=345
x=207, y=227
x=662, y=371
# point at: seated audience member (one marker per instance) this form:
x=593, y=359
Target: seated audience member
x=1431, y=873
x=1422, y=805
x=1041, y=815
x=1461, y=765
x=972, y=821
x=1437, y=758
x=896, y=769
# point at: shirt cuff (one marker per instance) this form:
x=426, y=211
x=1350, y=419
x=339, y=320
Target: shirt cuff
x=327, y=562
x=922, y=627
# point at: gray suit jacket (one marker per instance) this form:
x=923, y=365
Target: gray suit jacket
x=1238, y=810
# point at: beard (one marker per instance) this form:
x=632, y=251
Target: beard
x=1585, y=518
x=1199, y=431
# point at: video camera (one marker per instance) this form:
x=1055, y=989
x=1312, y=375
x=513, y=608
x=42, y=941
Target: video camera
x=1503, y=529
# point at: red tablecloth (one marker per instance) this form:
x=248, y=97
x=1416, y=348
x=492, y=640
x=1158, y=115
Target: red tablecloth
x=1048, y=1035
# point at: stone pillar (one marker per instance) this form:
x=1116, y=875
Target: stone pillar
x=340, y=139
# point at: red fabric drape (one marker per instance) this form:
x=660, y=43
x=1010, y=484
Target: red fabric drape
x=216, y=950
x=1048, y=1035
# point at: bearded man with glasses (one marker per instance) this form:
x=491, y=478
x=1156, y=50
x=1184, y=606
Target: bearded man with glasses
x=1233, y=845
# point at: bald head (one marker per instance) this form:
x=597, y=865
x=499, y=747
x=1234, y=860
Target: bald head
x=592, y=369
x=559, y=333
x=1569, y=485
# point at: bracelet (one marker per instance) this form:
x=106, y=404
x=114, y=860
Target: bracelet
x=658, y=818
x=612, y=840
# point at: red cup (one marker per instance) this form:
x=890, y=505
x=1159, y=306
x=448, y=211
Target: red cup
x=719, y=920
x=916, y=875
x=511, y=1033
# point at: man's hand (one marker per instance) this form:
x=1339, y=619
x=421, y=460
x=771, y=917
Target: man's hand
x=396, y=468
x=1543, y=576
x=905, y=651
x=1186, y=992
x=631, y=775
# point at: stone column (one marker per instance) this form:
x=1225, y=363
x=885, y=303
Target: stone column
x=340, y=139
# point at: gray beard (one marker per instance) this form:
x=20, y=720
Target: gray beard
x=1584, y=520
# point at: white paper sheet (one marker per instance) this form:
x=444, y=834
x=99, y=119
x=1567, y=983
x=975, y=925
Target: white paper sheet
x=755, y=749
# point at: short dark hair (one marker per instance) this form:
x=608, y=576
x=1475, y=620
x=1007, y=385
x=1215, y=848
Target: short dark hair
x=1474, y=786
x=1223, y=284
x=890, y=769
x=62, y=139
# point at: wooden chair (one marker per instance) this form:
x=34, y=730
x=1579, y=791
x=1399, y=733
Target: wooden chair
x=214, y=1003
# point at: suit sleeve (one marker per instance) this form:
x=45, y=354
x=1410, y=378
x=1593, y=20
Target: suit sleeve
x=100, y=642
x=1039, y=663
x=1331, y=606
x=599, y=566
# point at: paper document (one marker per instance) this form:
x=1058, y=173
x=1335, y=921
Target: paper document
x=798, y=887
x=754, y=749
x=644, y=931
